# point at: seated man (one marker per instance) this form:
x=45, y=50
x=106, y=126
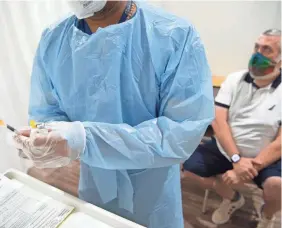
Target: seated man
x=247, y=143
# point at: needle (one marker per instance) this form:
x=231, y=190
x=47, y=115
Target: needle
x=2, y=123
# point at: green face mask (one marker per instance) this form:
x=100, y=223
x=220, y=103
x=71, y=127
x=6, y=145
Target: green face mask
x=261, y=66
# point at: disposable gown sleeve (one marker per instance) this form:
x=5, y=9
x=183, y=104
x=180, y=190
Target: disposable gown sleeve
x=43, y=101
x=185, y=111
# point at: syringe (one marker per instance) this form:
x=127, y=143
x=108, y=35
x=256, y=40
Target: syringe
x=2, y=123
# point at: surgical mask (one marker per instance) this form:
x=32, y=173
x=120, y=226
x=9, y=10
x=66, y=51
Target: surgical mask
x=85, y=9
x=261, y=67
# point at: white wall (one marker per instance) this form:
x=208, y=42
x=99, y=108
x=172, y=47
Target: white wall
x=228, y=30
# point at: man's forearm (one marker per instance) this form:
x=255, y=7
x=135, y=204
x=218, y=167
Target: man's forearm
x=224, y=136
x=269, y=155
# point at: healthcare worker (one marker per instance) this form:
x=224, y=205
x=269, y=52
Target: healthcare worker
x=126, y=88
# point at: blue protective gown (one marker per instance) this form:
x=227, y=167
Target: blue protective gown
x=143, y=91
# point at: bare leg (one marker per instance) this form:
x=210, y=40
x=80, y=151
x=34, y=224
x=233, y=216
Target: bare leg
x=214, y=183
x=272, y=196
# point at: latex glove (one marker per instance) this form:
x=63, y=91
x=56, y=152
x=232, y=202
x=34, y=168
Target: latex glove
x=62, y=143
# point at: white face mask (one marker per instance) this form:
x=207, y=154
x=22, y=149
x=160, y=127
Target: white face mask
x=85, y=9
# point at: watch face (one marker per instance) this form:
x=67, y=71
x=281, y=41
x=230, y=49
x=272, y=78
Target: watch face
x=235, y=158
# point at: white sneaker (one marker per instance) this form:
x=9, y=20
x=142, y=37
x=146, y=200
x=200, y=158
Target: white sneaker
x=226, y=209
x=266, y=223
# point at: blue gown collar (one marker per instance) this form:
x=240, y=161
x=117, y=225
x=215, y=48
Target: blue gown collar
x=84, y=27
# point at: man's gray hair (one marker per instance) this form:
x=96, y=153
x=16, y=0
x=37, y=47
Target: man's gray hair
x=272, y=32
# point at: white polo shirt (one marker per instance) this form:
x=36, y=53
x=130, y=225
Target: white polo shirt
x=254, y=113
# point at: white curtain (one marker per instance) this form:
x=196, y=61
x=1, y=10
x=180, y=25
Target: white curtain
x=21, y=25
x=227, y=28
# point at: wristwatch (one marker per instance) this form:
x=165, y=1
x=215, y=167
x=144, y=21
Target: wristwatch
x=235, y=158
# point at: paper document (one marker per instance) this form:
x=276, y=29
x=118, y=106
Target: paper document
x=22, y=207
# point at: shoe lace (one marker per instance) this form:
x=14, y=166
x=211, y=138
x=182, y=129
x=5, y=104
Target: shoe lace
x=226, y=207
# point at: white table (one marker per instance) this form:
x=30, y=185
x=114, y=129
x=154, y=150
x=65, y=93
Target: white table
x=91, y=215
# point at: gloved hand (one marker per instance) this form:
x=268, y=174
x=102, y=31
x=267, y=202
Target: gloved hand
x=56, y=146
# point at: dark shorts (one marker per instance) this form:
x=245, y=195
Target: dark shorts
x=208, y=161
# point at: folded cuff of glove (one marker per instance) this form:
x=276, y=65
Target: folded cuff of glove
x=76, y=137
